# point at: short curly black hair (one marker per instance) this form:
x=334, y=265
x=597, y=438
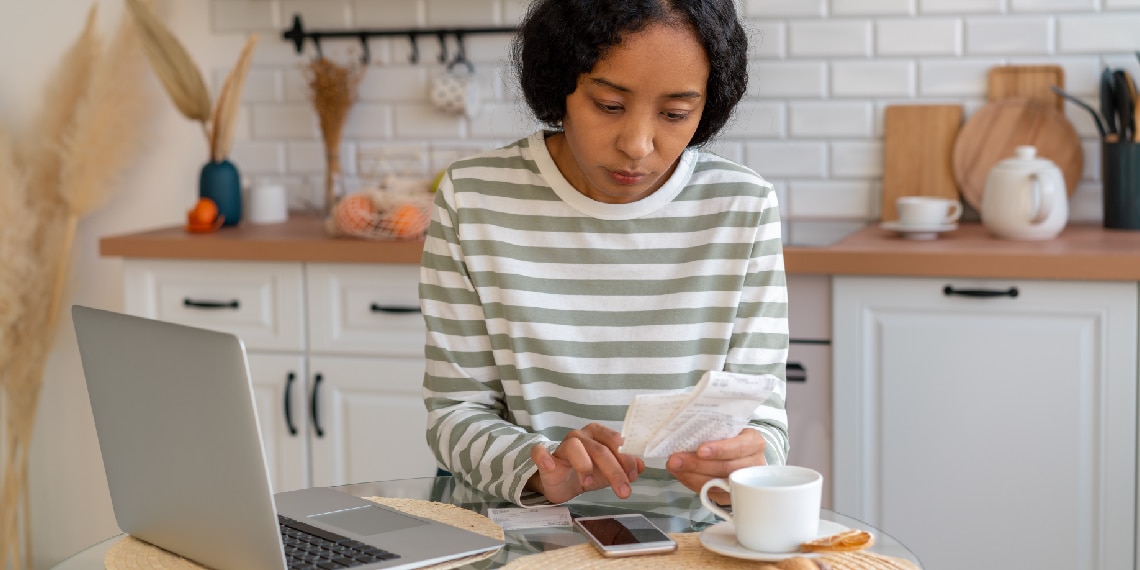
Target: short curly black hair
x=559, y=40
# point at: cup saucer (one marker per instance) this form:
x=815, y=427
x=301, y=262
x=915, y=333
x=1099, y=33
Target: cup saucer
x=721, y=539
x=910, y=231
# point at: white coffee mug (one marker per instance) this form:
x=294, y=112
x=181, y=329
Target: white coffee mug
x=455, y=90
x=268, y=204
x=775, y=508
x=927, y=210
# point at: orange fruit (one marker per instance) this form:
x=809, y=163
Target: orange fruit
x=203, y=217
x=203, y=214
x=355, y=214
x=407, y=221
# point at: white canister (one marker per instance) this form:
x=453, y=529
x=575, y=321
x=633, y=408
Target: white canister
x=268, y=204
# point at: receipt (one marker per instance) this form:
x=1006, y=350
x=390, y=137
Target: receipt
x=718, y=407
x=511, y=518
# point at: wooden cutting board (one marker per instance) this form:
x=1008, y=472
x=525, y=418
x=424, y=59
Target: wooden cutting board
x=917, y=144
x=992, y=134
x=1026, y=82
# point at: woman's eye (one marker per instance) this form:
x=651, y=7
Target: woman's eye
x=676, y=115
x=608, y=107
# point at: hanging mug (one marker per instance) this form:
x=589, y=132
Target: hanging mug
x=455, y=90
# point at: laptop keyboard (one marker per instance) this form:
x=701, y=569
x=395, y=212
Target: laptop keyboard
x=310, y=548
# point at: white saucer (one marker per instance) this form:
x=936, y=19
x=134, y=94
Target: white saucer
x=918, y=232
x=721, y=539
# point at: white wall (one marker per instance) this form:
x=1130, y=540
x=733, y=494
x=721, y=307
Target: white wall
x=812, y=123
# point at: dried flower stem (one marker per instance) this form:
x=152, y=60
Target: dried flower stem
x=95, y=110
x=332, y=90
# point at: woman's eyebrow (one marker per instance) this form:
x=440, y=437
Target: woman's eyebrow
x=621, y=88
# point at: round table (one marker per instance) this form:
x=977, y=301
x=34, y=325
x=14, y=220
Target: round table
x=670, y=505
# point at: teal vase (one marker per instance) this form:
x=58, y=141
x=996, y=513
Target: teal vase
x=221, y=183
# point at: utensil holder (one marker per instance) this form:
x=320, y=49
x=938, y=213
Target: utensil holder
x=1120, y=171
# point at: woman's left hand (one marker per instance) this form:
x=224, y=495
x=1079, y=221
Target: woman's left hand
x=716, y=460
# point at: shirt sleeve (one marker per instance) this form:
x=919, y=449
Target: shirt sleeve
x=760, y=337
x=467, y=429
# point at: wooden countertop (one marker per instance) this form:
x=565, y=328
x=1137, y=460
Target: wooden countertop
x=301, y=238
x=1081, y=252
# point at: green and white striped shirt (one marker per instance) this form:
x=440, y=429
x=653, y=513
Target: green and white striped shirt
x=547, y=310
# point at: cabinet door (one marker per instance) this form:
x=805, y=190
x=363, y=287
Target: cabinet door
x=279, y=393
x=367, y=310
x=371, y=420
x=995, y=432
x=259, y=302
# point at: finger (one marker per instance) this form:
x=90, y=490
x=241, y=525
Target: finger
x=747, y=443
x=610, y=467
x=631, y=465
x=574, y=452
x=606, y=436
x=542, y=458
x=689, y=463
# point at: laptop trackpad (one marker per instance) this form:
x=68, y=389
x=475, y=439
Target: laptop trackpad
x=368, y=520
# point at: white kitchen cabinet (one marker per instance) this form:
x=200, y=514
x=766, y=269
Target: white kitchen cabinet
x=335, y=354
x=279, y=392
x=371, y=420
x=989, y=431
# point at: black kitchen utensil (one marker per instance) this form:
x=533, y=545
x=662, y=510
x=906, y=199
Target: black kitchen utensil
x=1123, y=101
x=1096, y=116
x=1108, y=101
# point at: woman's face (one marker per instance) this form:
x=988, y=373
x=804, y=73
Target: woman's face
x=632, y=115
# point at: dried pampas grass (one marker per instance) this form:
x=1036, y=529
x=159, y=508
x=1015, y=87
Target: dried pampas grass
x=229, y=101
x=98, y=135
x=42, y=155
x=16, y=229
x=183, y=80
x=173, y=65
x=88, y=130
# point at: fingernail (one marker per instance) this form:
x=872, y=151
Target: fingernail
x=623, y=490
x=704, y=452
x=675, y=463
x=548, y=464
x=588, y=481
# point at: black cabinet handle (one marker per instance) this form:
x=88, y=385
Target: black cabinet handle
x=398, y=309
x=950, y=290
x=796, y=372
x=289, y=403
x=316, y=406
x=188, y=302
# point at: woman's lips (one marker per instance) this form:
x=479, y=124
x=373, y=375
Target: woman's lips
x=626, y=177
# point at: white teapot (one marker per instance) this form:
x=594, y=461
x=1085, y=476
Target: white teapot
x=1025, y=198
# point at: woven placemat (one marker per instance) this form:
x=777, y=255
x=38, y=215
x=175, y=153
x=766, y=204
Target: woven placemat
x=689, y=554
x=131, y=553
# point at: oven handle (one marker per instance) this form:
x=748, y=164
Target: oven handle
x=796, y=372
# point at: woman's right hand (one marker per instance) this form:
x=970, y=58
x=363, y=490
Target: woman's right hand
x=586, y=460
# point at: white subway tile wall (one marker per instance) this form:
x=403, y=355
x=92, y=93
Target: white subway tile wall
x=821, y=74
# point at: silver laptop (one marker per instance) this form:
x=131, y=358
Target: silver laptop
x=178, y=431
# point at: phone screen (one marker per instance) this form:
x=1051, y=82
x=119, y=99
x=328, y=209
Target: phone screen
x=621, y=530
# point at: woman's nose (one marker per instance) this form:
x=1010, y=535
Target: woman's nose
x=636, y=139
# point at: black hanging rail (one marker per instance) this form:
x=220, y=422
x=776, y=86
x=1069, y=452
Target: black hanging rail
x=298, y=34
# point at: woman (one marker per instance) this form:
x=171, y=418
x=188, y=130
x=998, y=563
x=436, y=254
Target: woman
x=606, y=257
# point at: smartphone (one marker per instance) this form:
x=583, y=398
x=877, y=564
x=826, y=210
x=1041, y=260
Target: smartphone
x=624, y=535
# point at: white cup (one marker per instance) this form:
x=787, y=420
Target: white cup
x=775, y=508
x=268, y=204
x=927, y=210
x=455, y=90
